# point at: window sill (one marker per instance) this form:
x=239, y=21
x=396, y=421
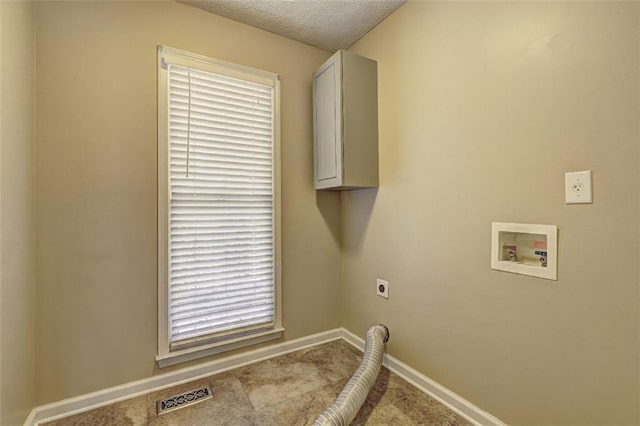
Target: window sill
x=184, y=355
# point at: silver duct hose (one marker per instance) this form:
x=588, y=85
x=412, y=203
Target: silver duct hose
x=348, y=403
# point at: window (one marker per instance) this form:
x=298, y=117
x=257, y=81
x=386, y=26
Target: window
x=218, y=206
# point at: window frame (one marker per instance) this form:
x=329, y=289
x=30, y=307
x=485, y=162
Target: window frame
x=166, y=356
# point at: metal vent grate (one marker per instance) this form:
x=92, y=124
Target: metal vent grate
x=186, y=399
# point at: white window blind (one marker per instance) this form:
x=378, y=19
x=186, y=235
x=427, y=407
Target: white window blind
x=221, y=240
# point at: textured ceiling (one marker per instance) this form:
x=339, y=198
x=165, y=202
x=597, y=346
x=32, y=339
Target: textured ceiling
x=327, y=24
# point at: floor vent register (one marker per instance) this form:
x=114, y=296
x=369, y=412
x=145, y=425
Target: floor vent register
x=183, y=400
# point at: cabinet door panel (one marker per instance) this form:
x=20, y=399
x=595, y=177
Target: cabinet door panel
x=327, y=126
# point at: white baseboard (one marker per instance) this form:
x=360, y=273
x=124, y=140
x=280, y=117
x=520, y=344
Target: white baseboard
x=82, y=403
x=32, y=419
x=435, y=390
x=90, y=401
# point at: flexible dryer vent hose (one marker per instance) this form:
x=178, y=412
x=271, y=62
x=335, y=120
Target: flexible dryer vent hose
x=348, y=403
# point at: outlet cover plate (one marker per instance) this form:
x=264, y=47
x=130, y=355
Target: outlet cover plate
x=382, y=288
x=578, y=187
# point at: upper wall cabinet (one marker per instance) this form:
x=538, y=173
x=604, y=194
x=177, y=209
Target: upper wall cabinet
x=345, y=123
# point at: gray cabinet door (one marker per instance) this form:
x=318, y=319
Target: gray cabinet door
x=327, y=110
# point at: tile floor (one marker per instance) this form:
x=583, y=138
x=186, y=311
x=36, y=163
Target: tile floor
x=288, y=390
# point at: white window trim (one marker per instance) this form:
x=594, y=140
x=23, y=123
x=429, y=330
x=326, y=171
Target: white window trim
x=165, y=355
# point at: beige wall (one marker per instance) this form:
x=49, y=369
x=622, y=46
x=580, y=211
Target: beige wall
x=17, y=114
x=483, y=108
x=96, y=177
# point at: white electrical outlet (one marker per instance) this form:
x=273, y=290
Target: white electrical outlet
x=382, y=288
x=577, y=187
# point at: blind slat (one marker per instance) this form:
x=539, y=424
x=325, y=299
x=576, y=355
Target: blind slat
x=208, y=305
x=187, y=283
